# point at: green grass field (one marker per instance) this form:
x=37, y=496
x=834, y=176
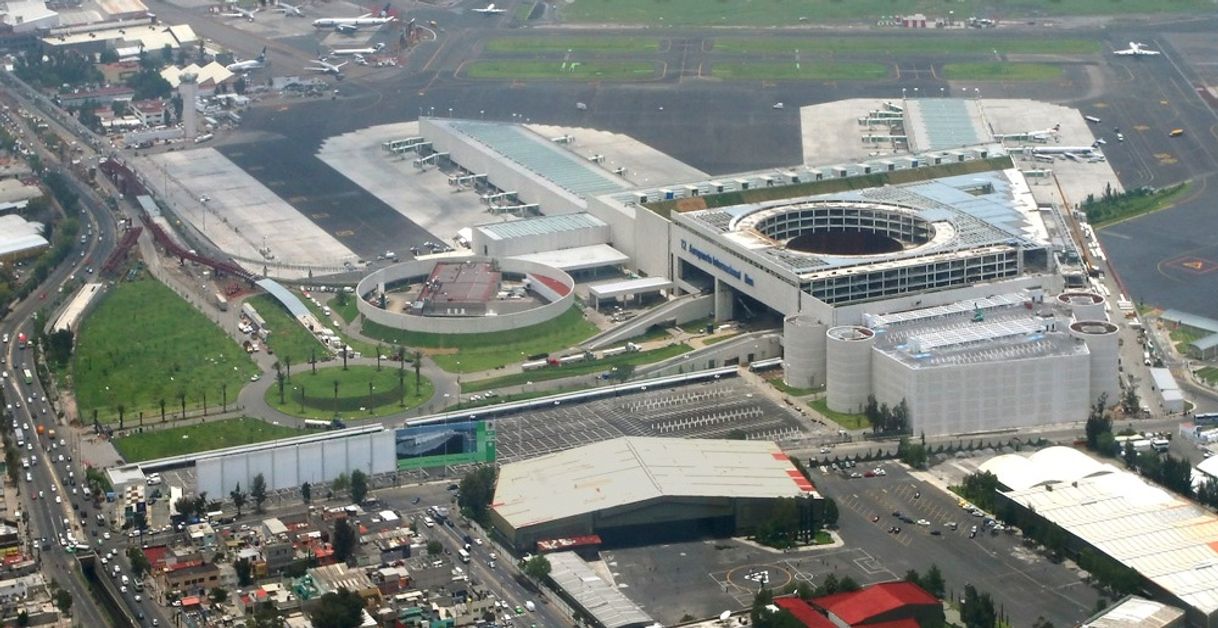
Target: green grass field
x=844, y=419
x=144, y=344
x=559, y=71
x=1208, y=374
x=1182, y=336
x=288, y=339
x=806, y=71
x=791, y=390
x=191, y=439
x=1129, y=205
x=789, y=12
x=574, y=44
x=349, y=311
x=467, y=353
x=1001, y=71
x=352, y=385
x=579, y=368
x=926, y=44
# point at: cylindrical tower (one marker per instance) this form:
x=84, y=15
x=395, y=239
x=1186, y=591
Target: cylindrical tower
x=848, y=367
x=1084, y=305
x=803, y=351
x=188, y=89
x=1103, y=345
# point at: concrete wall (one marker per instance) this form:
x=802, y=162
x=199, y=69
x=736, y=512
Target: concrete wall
x=469, y=325
x=504, y=175
x=761, y=345
x=968, y=398
x=290, y=465
x=734, y=271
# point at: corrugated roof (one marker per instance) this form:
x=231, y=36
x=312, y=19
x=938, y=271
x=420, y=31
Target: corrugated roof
x=540, y=156
x=598, y=598
x=942, y=123
x=295, y=306
x=1189, y=320
x=628, y=286
x=1167, y=539
x=1136, y=612
x=540, y=226
x=632, y=470
x=578, y=258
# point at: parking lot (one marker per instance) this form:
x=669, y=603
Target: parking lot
x=998, y=563
x=708, y=410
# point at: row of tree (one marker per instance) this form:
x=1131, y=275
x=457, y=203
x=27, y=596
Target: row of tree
x=886, y=420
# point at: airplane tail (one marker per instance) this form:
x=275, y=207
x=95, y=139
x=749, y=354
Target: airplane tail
x=385, y=11
x=262, y=55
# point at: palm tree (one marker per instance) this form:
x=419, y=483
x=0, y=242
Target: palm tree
x=162, y=409
x=336, y=395
x=224, y=397
x=287, y=365
x=121, y=409
x=378, y=356
x=279, y=378
x=182, y=398
x=313, y=359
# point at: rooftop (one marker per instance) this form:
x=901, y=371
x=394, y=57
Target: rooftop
x=1136, y=612
x=540, y=156
x=578, y=258
x=294, y=305
x=947, y=335
x=631, y=470
x=601, y=599
x=539, y=226
x=151, y=36
x=960, y=213
x=943, y=123
x=1167, y=539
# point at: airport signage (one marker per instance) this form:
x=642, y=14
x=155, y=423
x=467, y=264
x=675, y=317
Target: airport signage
x=716, y=262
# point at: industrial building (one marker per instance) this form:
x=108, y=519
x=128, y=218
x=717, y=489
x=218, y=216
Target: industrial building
x=580, y=585
x=20, y=239
x=1168, y=540
x=635, y=489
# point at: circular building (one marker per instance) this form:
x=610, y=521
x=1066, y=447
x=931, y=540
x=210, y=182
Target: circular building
x=465, y=295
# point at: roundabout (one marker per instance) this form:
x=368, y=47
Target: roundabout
x=356, y=392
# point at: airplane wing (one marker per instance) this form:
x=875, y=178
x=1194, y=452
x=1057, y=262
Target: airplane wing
x=1126, y=52
x=346, y=28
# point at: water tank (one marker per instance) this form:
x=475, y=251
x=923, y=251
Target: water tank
x=1102, y=342
x=848, y=367
x=803, y=351
x=1085, y=306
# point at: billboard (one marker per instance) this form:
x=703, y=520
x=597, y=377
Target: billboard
x=444, y=444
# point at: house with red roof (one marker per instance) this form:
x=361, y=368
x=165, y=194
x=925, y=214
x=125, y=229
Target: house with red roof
x=885, y=605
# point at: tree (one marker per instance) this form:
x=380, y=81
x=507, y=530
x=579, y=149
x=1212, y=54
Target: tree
x=359, y=486
x=59, y=346
x=218, y=595
x=258, y=491
x=912, y=454
x=63, y=600
x=537, y=567
x=1041, y=622
x=1130, y=455
x=266, y=616
x=830, y=513
x=341, y=483
x=343, y=540
x=1098, y=422
x=139, y=562
x=306, y=492
x=977, y=611
x=238, y=499
x=185, y=506
x=245, y=572
x=1130, y=402
x=933, y=582
x=477, y=490
x=23, y=619
x=622, y=372
x=341, y=609
x=434, y=548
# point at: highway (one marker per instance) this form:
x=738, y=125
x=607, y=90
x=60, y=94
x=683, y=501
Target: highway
x=52, y=496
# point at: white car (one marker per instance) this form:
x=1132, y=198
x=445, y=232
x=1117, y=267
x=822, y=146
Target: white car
x=58, y=499
x=106, y=536
x=923, y=522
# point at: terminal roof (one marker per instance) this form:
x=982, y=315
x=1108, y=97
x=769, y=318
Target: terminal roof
x=540, y=226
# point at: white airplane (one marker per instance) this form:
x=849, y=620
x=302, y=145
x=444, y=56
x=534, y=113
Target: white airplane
x=1136, y=49
x=352, y=24
x=250, y=64
x=289, y=10
x=248, y=14
x=489, y=10
x=327, y=68
x=355, y=52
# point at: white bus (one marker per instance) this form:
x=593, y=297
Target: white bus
x=464, y=555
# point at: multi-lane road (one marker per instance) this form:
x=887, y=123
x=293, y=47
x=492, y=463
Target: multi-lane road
x=51, y=487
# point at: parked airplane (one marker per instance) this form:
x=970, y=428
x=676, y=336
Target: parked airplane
x=352, y=24
x=288, y=10
x=1136, y=49
x=250, y=64
x=248, y=14
x=355, y=52
x=489, y=10
x=327, y=68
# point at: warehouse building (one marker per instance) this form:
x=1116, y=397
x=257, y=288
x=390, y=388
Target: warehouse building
x=20, y=239
x=636, y=490
x=1170, y=541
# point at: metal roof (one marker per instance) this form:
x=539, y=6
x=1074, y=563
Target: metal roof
x=633, y=470
x=1189, y=320
x=628, y=286
x=598, y=598
x=942, y=123
x=1137, y=612
x=1164, y=380
x=295, y=306
x=17, y=235
x=578, y=258
x=540, y=226
x=1167, y=539
x=543, y=158
x=1203, y=344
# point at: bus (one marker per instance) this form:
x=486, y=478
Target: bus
x=19, y=436
x=29, y=377
x=464, y=555
x=1207, y=418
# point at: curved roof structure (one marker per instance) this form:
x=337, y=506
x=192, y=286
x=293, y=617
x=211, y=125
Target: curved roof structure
x=1052, y=465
